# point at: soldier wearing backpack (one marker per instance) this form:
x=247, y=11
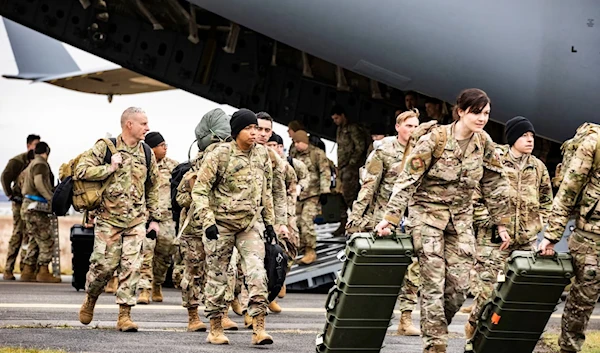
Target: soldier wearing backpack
x=530, y=203
x=578, y=194
x=130, y=192
x=438, y=193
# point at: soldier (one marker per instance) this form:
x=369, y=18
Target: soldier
x=351, y=156
x=38, y=187
x=11, y=173
x=120, y=229
x=157, y=252
x=296, y=180
x=213, y=128
x=435, y=111
x=578, y=194
x=231, y=192
x=294, y=126
x=307, y=206
x=440, y=217
x=530, y=203
x=381, y=172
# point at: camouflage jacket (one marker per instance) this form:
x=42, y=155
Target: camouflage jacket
x=581, y=177
x=381, y=171
x=352, y=147
x=278, y=187
x=530, y=200
x=126, y=200
x=165, y=168
x=11, y=172
x=319, y=174
x=296, y=174
x=45, y=186
x=443, y=191
x=233, y=188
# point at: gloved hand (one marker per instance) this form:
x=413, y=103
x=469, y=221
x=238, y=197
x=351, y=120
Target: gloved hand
x=270, y=233
x=212, y=233
x=323, y=199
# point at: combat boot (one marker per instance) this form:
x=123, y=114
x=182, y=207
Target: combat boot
x=309, y=256
x=227, y=323
x=194, y=323
x=274, y=307
x=45, y=276
x=282, y=292
x=112, y=285
x=144, y=297
x=124, y=323
x=86, y=313
x=28, y=273
x=259, y=335
x=157, y=293
x=237, y=307
x=467, y=309
x=216, y=335
x=406, y=327
x=9, y=276
x=469, y=330
x=437, y=348
x=341, y=230
x=247, y=321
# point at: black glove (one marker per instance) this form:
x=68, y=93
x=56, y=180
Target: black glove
x=323, y=199
x=17, y=199
x=212, y=233
x=270, y=233
x=151, y=234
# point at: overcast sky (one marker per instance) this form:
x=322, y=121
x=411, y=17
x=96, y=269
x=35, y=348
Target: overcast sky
x=71, y=121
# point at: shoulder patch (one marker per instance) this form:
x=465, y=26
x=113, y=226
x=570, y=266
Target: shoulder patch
x=375, y=166
x=416, y=164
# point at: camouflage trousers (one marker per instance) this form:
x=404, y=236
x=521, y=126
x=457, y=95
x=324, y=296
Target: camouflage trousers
x=306, y=211
x=178, y=265
x=193, y=279
x=350, y=185
x=584, y=293
x=114, y=248
x=219, y=252
x=156, y=256
x=18, y=241
x=409, y=293
x=291, y=243
x=38, y=230
x=445, y=259
x=490, y=260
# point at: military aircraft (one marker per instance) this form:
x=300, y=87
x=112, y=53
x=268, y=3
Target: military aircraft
x=296, y=59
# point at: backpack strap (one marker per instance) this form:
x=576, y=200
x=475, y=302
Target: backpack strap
x=290, y=161
x=148, y=155
x=111, y=148
x=440, y=143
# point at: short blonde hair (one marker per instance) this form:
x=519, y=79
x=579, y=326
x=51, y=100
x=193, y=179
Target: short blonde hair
x=412, y=113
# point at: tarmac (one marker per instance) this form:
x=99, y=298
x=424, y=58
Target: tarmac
x=35, y=315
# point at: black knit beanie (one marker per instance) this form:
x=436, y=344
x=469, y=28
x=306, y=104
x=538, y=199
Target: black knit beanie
x=154, y=139
x=241, y=119
x=516, y=127
x=276, y=138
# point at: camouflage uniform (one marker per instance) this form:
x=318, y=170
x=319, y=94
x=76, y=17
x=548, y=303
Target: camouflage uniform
x=439, y=196
x=232, y=190
x=295, y=174
x=581, y=177
x=319, y=181
x=156, y=253
x=351, y=155
x=18, y=240
x=37, y=223
x=121, y=218
x=530, y=203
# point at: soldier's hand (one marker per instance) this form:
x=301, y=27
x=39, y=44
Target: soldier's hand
x=212, y=233
x=546, y=248
x=115, y=161
x=284, y=231
x=323, y=199
x=504, y=236
x=383, y=228
x=270, y=233
x=153, y=226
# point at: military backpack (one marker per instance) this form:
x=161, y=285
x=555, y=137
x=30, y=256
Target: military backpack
x=569, y=148
x=441, y=137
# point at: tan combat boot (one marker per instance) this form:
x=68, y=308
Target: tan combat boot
x=237, y=307
x=259, y=335
x=282, y=292
x=157, y=293
x=194, y=323
x=274, y=307
x=144, y=297
x=406, y=327
x=469, y=330
x=216, y=335
x=227, y=323
x=8, y=276
x=124, y=323
x=467, y=309
x=28, y=274
x=86, y=313
x=247, y=320
x=309, y=257
x=45, y=276
x=112, y=285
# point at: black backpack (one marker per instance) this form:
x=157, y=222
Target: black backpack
x=176, y=177
x=62, y=199
x=275, y=264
